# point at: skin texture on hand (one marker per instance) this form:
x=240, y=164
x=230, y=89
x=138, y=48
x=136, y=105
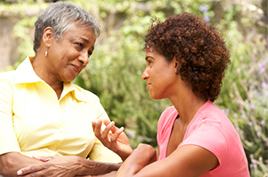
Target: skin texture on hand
x=113, y=138
x=67, y=166
x=13, y=161
x=141, y=157
x=53, y=166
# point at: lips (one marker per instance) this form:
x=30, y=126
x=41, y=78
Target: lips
x=148, y=85
x=76, y=68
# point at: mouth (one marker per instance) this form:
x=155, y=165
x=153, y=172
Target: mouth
x=148, y=85
x=76, y=68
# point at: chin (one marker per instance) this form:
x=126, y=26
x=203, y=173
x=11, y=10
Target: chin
x=155, y=97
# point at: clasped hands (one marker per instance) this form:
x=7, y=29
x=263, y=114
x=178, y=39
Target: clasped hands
x=112, y=137
x=53, y=166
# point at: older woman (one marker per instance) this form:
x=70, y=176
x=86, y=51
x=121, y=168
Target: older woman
x=42, y=113
x=186, y=62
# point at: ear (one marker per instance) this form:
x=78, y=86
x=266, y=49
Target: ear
x=176, y=64
x=48, y=36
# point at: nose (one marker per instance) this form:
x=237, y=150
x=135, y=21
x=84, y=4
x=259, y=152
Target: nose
x=83, y=58
x=145, y=74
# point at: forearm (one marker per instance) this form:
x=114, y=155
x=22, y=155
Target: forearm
x=11, y=162
x=89, y=167
x=141, y=157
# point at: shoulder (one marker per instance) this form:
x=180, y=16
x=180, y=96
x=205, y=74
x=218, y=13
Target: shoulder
x=167, y=114
x=169, y=111
x=166, y=119
x=85, y=94
x=7, y=78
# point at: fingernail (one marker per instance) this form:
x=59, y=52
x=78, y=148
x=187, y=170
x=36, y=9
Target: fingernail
x=19, y=172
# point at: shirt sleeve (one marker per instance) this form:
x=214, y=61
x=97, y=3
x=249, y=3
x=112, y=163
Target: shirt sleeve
x=8, y=138
x=210, y=137
x=99, y=152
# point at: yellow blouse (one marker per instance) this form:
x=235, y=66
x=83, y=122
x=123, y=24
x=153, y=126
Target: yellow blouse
x=33, y=121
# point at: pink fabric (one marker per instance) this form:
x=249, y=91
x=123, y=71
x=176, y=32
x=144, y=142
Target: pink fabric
x=212, y=130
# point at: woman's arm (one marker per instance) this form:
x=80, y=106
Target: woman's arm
x=141, y=157
x=11, y=162
x=186, y=161
x=55, y=166
x=112, y=137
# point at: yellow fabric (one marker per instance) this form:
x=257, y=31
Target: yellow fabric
x=34, y=122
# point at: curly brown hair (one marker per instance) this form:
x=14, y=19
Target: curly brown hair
x=199, y=49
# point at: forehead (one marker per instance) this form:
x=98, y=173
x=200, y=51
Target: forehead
x=81, y=31
x=152, y=53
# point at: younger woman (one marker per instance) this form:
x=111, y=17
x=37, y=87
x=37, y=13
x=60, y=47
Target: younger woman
x=186, y=62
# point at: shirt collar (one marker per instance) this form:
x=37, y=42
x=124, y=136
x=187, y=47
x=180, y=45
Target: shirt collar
x=74, y=90
x=26, y=74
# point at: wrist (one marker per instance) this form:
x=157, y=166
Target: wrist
x=89, y=167
x=125, y=155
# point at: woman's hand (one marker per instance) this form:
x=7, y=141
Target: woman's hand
x=53, y=166
x=112, y=137
x=141, y=157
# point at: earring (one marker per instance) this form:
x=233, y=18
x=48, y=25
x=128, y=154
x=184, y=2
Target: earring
x=46, y=53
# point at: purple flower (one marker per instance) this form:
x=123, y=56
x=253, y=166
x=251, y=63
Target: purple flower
x=227, y=111
x=262, y=122
x=264, y=85
x=251, y=156
x=261, y=67
x=266, y=42
x=206, y=19
x=235, y=115
x=243, y=116
x=252, y=107
x=250, y=124
x=263, y=101
x=204, y=8
x=258, y=134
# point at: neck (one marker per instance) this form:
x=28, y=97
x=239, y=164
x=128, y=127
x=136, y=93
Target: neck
x=41, y=71
x=187, y=104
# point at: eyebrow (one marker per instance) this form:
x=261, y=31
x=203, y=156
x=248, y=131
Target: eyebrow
x=146, y=58
x=84, y=39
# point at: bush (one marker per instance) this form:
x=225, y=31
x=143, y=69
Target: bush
x=115, y=68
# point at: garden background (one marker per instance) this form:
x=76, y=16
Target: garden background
x=115, y=68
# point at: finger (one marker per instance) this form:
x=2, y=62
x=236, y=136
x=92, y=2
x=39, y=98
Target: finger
x=104, y=134
x=98, y=128
x=43, y=158
x=107, y=122
x=93, y=123
x=117, y=134
x=30, y=169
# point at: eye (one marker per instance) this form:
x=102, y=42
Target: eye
x=79, y=45
x=149, y=62
x=89, y=53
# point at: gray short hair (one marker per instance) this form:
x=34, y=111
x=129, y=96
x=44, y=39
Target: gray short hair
x=61, y=16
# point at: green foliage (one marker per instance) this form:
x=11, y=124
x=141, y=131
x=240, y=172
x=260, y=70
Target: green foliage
x=115, y=68
x=245, y=95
